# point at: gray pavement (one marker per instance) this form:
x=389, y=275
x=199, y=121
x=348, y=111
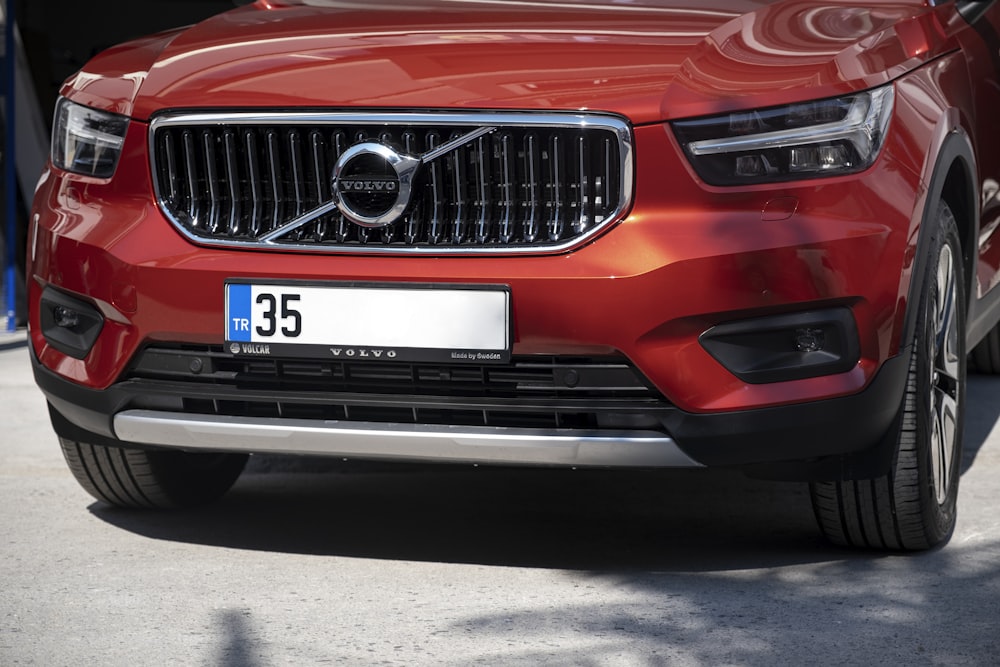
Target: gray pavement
x=314, y=562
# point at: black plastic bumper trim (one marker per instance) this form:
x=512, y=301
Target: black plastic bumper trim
x=851, y=437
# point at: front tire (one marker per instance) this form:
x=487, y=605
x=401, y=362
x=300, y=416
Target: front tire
x=128, y=477
x=913, y=507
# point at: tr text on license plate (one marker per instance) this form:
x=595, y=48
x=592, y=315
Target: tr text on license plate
x=374, y=322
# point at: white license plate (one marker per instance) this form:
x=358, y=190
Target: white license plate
x=370, y=322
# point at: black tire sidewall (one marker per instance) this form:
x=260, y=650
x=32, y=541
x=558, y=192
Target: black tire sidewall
x=938, y=518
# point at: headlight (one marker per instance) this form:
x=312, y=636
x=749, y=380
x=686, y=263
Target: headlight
x=824, y=138
x=87, y=141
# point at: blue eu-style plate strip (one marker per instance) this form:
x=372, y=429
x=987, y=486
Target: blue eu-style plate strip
x=238, y=302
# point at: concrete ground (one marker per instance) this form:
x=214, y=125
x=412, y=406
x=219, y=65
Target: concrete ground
x=312, y=562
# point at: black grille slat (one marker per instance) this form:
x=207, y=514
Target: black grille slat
x=341, y=226
x=583, y=199
x=512, y=188
x=437, y=193
x=533, y=196
x=274, y=171
x=557, y=194
x=170, y=156
x=257, y=197
x=457, y=182
x=481, y=167
x=212, y=182
x=191, y=173
x=506, y=214
x=412, y=226
x=297, y=181
x=318, y=152
x=232, y=177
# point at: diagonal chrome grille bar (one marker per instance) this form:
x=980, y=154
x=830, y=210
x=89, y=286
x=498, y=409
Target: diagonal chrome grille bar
x=298, y=222
x=455, y=143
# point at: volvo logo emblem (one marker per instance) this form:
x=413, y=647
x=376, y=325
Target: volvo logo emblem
x=371, y=184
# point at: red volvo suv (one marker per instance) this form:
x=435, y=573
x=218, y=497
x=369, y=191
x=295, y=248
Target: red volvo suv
x=735, y=233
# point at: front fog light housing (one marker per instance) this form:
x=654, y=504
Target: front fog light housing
x=786, y=347
x=87, y=141
x=70, y=325
x=823, y=138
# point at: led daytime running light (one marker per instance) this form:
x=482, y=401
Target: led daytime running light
x=87, y=141
x=867, y=119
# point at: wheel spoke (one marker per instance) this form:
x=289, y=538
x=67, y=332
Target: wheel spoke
x=944, y=325
x=943, y=430
x=944, y=386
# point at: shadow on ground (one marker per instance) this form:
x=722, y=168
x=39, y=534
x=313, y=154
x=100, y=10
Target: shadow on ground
x=674, y=520
x=689, y=520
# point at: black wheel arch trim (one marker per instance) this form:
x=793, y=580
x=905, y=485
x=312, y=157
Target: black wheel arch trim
x=972, y=10
x=956, y=148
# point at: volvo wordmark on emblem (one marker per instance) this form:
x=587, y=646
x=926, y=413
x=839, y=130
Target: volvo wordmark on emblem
x=359, y=185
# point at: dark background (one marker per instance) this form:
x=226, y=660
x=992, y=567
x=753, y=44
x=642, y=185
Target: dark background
x=58, y=37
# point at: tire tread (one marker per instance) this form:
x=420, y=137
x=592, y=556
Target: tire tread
x=136, y=478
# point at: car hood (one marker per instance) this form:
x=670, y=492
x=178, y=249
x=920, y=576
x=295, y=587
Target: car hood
x=649, y=61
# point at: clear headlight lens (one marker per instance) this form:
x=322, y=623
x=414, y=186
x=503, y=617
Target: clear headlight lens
x=87, y=141
x=807, y=140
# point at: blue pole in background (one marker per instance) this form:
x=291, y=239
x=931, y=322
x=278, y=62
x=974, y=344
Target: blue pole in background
x=10, y=180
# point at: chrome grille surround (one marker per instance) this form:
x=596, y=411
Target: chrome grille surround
x=549, y=182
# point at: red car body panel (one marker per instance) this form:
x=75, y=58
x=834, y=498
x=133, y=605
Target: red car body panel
x=649, y=63
x=686, y=257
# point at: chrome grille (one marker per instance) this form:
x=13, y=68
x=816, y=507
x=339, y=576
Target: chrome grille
x=522, y=183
